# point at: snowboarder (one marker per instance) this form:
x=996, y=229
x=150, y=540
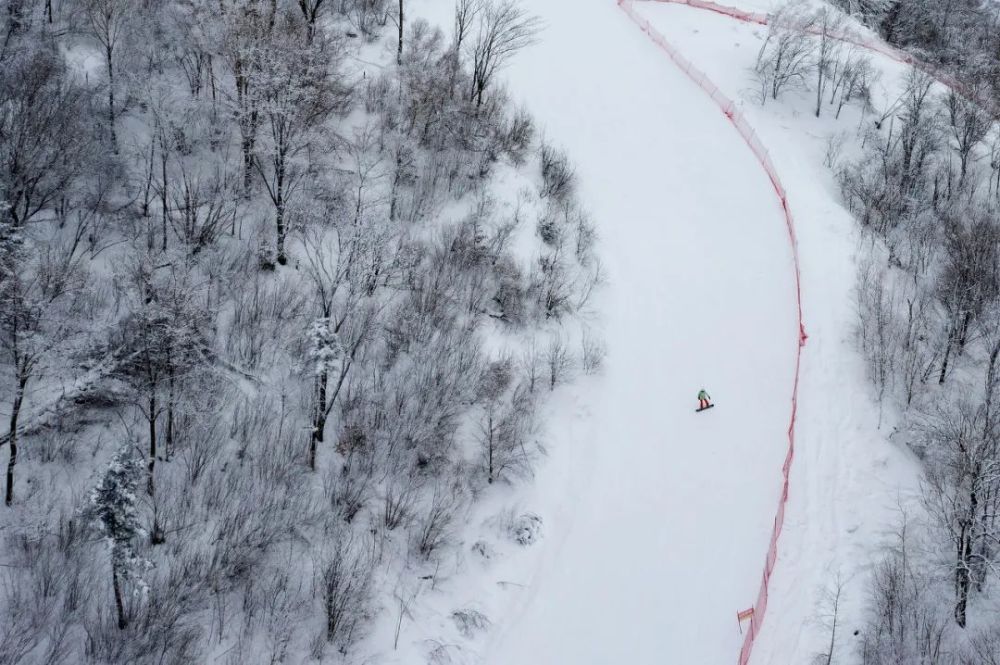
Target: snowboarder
x=703, y=400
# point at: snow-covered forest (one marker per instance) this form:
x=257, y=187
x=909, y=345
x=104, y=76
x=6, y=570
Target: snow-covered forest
x=284, y=288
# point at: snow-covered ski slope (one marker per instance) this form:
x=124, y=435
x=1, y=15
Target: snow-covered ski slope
x=659, y=536
x=670, y=528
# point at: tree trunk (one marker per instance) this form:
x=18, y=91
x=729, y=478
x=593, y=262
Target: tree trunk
x=119, y=605
x=962, y=578
x=820, y=69
x=111, y=101
x=156, y=534
x=399, y=50
x=152, y=438
x=947, y=355
x=15, y=412
x=963, y=572
x=147, y=194
x=279, y=210
x=169, y=443
x=163, y=191
x=491, y=447
x=963, y=332
x=247, y=165
x=319, y=419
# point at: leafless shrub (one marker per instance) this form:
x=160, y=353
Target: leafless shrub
x=531, y=364
x=262, y=314
x=349, y=488
x=906, y=624
x=506, y=432
x=515, y=135
x=21, y=631
x=398, y=502
x=558, y=177
x=434, y=526
x=785, y=58
x=834, y=149
x=552, y=283
x=346, y=591
x=593, y=352
x=559, y=361
x=470, y=621
x=201, y=451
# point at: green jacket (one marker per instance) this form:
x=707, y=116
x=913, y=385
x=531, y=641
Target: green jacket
x=703, y=395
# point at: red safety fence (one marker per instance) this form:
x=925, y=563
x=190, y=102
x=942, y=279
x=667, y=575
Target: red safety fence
x=844, y=35
x=756, y=145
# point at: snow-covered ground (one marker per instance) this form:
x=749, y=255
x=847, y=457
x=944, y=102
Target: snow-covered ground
x=657, y=519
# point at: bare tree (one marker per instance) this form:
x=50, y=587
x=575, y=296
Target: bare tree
x=41, y=300
x=963, y=489
x=504, y=29
x=164, y=335
x=248, y=33
x=786, y=55
x=969, y=124
x=109, y=22
x=969, y=281
x=829, y=26
x=919, y=129
x=296, y=93
x=400, y=23
x=878, y=328
x=347, y=317
x=906, y=624
x=44, y=140
x=855, y=82
x=310, y=12
x=506, y=422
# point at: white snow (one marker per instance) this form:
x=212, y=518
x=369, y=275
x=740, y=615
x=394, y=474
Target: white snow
x=657, y=519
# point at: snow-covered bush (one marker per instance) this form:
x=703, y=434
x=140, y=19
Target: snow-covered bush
x=526, y=529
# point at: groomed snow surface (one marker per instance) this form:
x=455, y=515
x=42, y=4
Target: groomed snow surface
x=656, y=518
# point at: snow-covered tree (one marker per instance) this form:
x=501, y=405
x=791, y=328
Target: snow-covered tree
x=114, y=510
x=324, y=357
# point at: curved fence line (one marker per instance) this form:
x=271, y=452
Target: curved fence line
x=728, y=107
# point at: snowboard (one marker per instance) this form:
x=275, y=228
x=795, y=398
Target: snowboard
x=705, y=409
